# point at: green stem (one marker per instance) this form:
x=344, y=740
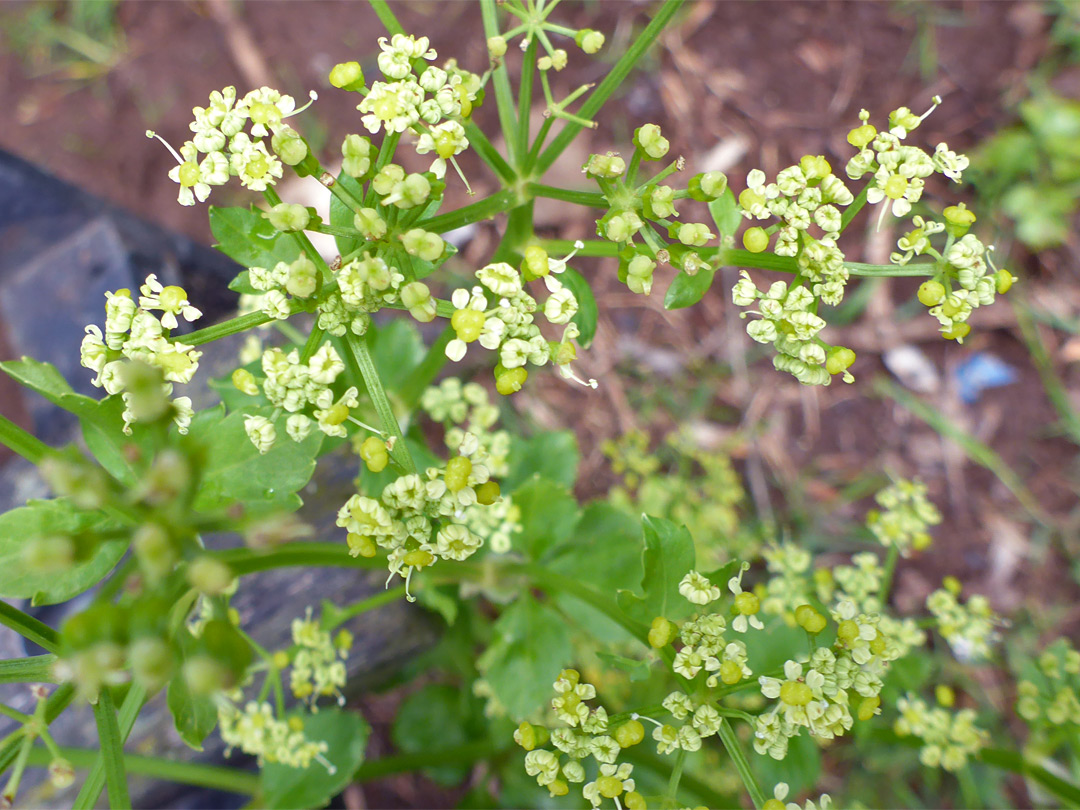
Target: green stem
x=30, y=628
x=185, y=773
x=386, y=17
x=36, y=669
x=525, y=87
x=22, y=442
x=19, y=717
x=483, y=209
x=244, y=561
x=338, y=616
x=99, y=773
x=538, y=144
x=1012, y=761
x=403, y=763
x=424, y=374
x=852, y=210
x=608, y=86
x=890, y=270
x=734, y=750
x=890, y=571
x=112, y=751
x=671, y=796
x=592, y=199
x=57, y=702
x=233, y=326
x=359, y=349
x=500, y=77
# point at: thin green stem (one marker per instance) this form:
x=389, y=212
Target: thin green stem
x=57, y=702
x=30, y=628
x=35, y=669
x=488, y=153
x=671, y=795
x=362, y=354
x=525, y=87
x=22, y=442
x=215, y=777
x=424, y=374
x=890, y=572
x=500, y=77
x=852, y=210
x=15, y=714
x=592, y=199
x=338, y=616
x=403, y=763
x=386, y=17
x=734, y=750
x=112, y=751
x=98, y=776
x=486, y=208
x=233, y=326
x=610, y=83
x=25, y=743
x=244, y=561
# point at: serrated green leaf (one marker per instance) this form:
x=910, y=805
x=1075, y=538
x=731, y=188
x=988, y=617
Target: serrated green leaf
x=588, y=313
x=548, y=516
x=687, y=290
x=531, y=647
x=248, y=238
x=346, y=735
x=552, y=455
x=725, y=213
x=668, y=556
x=50, y=519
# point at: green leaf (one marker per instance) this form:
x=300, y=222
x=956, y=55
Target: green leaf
x=194, y=717
x=396, y=349
x=346, y=735
x=341, y=216
x=548, y=515
x=436, y=717
x=248, y=238
x=588, y=312
x=725, y=213
x=552, y=455
x=687, y=290
x=40, y=377
x=531, y=647
x=637, y=670
x=235, y=471
x=50, y=519
x=668, y=556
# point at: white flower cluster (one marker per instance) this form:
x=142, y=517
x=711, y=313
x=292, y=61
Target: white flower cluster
x=303, y=390
x=365, y=285
x=788, y=321
x=432, y=102
x=786, y=588
x=257, y=732
x=908, y=514
x=704, y=647
x=509, y=327
x=780, y=793
x=226, y=150
x=318, y=667
x=970, y=628
x=949, y=738
x=134, y=333
x=298, y=278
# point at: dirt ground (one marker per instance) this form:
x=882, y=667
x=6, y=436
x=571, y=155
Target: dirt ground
x=735, y=86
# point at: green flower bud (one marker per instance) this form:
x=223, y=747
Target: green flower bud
x=288, y=217
x=609, y=165
x=747, y=603
x=773, y=804
x=151, y=662
x=496, y=47
x=795, y=693
x=815, y=168
x=420, y=558
x=634, y=801
x=145, y=384
x=534, y=263
x=695, y=234
x=847, y=631
x=347, y=76
x=361, y=546
x=661, y=632
x=755, y=239
x=289, y=146
x=649, y=140
x=243, y=380
x=155, y=550
x=415, y=294
x=61, y=774
x=303, y=277
x=468, y=324
x=427, y=246
x=609, y=787
x=629, y=733
x=356, y=151
x=204, y=676
x=931, y=293
x=370, y=224
x=868, y=708
x=708, y=186
x=510, y=381
x=589, y=40
x=944, y=695
x=1004, y=281
x=861, y=136
x=487, y=493
x=839, y=359
x=458, y=470
x=209, y=575
x=957, y=332
x=373, y=452
x=730, y=673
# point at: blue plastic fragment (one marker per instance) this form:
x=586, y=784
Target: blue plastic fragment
x=981, y=371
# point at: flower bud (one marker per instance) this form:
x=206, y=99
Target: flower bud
x=649, y=140
x=931, y=293
x=155, y=551
x=151, y=662
x=609, y=165
x=958, y=220
x=589, y=40
x=356, y=153
x=661, y=632
x=303, y=277
x=347, y=76
x=423, y=244
x=288, y=217
x=1004, y=281
x=755, y=240
x=244, y=381
x=61, y=774
x=361, y=546
x=511, y=380
x=204, y=676
x=289, y=146
x=209, y=576
x=708, y=186
x=496, y=47
x=629, y=733
x=370, y=224
x=373, y=452
x=487, y=493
